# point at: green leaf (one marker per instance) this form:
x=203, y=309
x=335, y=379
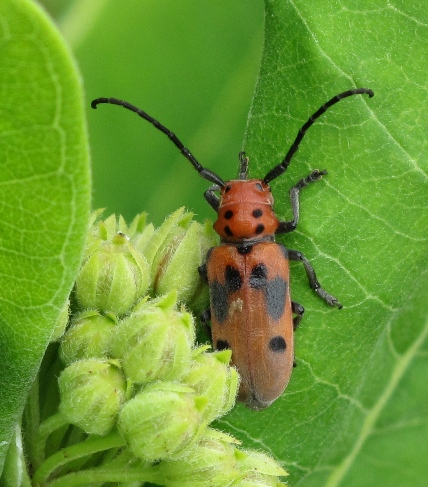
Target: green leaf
x=44, y=197
x=356, y=410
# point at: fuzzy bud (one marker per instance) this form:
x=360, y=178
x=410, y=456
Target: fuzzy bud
x=92, y=392
x=88, y=337
x=176, y=250
x=113, y=276
x=210, y=375
x=161, y=420
x=211, y=461
x=61, y=322
x=155, y=341
x=258, y=470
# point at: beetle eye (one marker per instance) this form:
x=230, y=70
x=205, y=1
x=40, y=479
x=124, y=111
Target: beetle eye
x=259, y=186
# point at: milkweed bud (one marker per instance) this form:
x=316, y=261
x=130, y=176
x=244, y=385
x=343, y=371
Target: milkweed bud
x=92, y=392
x=113, y=277
x=155, y=341
x=176, y=250
x=61, y=322
x=209, y=461
x=88, y=337
x=259, y=470
x=160, y=421
x=210, y=375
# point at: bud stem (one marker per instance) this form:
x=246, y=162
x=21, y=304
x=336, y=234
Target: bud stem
x=106, y=474
x=88, y=447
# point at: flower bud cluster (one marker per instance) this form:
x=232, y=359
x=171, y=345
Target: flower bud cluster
x=131, y=363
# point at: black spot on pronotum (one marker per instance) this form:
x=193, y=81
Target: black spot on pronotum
x=228, y=231
x=233, y=279
x=276, y=291
x=257, y=213
x=259, y=229
x=228, y=214
x=218, y=294
x=277, y=344
x=244, y=249
x=258, y=276
x=221, y=345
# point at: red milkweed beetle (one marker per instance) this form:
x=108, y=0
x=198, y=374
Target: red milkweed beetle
x=251, y=310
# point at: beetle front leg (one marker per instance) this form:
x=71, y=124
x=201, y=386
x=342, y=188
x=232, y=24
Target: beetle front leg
x=313, y=281
x=212, y=199
x=289, y=226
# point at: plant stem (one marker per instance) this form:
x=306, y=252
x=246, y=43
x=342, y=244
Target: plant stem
x=106, y=474
x=46, y=428
x=91, y=445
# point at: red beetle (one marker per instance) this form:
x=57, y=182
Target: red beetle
x=251, y=310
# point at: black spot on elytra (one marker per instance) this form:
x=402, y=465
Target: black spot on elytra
x=218, y=294
x=277, y=344
x=257, y=213
x=222, y=345
x=276, y=291
x=258, y=277
x=228, y=214
x=228, y=231
x=259, y=229
x=233, y=279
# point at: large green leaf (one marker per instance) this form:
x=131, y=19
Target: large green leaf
x=44, y=196
x=356, y=410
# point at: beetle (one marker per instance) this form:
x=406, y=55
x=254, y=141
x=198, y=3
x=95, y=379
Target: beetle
x=251, y=310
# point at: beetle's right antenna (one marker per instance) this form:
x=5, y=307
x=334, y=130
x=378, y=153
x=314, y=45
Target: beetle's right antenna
x=282, y=167
x=205, y=173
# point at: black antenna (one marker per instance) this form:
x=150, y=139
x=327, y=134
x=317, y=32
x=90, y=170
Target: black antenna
x=282, y=167
x=205, y=173
x=243, y=166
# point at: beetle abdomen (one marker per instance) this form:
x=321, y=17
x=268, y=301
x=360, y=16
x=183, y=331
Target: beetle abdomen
x=251, y=314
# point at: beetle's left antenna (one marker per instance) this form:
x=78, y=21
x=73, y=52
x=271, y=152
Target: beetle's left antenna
x=203, y=172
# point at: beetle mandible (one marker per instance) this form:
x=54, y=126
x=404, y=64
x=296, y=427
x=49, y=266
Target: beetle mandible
x=251, y=310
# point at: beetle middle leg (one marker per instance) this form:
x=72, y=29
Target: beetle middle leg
x=298, y=310
x=289, y=226
x=313, y=281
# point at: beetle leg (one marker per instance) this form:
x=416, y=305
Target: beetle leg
x=289, y=226
x=313, y=281
x=212, y=199
x=298, y=310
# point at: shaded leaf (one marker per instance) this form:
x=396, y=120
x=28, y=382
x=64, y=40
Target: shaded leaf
x=44, y=197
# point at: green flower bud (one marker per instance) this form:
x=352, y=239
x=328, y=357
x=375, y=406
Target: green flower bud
x=211, y=461
x=114, y=276
x=92, y=392
x=259, y=470
x=61, y=322
x=155, y=341
x=160, y=421
x=211, y=376
x=88, y=337
x=176, y=250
